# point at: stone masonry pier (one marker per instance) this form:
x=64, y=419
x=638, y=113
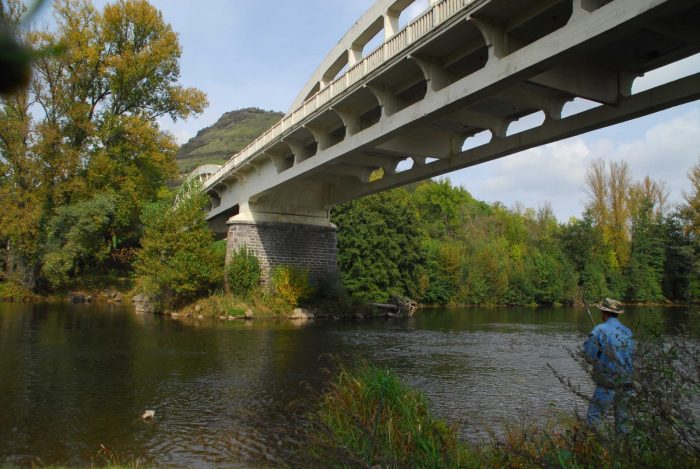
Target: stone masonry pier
x=306, y=246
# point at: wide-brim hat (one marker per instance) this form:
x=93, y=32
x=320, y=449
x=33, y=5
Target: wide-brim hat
x=611, y=306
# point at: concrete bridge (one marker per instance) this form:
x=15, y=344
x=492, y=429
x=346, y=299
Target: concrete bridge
x=373, y=120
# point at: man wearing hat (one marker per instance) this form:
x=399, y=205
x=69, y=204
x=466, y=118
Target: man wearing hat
x=610, y=348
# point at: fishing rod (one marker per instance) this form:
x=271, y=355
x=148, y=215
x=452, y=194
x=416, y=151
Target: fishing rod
x=585, y=305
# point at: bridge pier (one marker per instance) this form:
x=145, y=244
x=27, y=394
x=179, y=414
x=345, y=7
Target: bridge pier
x=311, y=247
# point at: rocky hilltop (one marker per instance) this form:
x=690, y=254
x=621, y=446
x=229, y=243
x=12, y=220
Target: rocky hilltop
x=232, y=132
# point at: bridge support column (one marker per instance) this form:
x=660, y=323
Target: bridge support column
x=312, y=247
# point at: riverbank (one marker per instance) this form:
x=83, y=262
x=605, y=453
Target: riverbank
x=261, y=303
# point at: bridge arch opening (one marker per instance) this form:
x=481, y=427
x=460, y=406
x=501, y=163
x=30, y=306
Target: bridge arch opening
x=477, y=140
x=412, y=11
x=577, y=106
x=367, y=41
x=527, y=122
x=404, y=165
x=314, y=90
x=359, y=111
x=667, y=73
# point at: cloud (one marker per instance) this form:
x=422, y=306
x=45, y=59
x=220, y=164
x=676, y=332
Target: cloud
x=556, y=172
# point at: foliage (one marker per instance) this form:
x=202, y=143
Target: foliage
x=379, y=246
x=291, y=283
x=243, y=272
x=436, y=243
x=368, y=418
x=97, y=132
x=79, y=236
x=16, y=293
x=646, y=266
x=178, y=259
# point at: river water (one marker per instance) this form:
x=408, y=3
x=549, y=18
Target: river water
x=75, y=379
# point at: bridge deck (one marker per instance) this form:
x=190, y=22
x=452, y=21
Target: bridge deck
x=461, y=68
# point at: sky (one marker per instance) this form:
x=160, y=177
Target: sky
x=259, y=53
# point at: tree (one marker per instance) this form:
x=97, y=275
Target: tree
x=691, y=210
x=442, y=207
x=178, y=259
x=647, y=256
x=97, y=128
x=379, y=246
x=608, y=191
x=78, y=238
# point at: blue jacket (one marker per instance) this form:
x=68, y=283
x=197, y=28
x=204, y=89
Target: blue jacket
x=610, y=348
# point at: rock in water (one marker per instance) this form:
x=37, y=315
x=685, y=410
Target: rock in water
x=149, y=415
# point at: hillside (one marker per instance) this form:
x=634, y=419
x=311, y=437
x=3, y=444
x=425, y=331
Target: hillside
x=233, y=131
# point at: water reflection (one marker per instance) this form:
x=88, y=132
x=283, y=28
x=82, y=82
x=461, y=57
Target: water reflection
x=229, y=394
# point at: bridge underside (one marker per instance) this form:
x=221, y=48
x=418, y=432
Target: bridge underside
x=409, y=117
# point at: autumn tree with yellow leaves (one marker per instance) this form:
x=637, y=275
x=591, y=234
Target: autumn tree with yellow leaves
x=86, y=128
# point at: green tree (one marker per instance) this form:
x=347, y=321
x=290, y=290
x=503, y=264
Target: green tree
x=647, y=255
x=178, y=259
x=379, y=246
x=78, y=238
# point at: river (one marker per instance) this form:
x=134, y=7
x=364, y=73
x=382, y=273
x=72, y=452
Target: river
x=75, y=379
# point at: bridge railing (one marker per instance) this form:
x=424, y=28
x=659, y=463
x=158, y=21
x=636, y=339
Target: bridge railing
x=413, y=31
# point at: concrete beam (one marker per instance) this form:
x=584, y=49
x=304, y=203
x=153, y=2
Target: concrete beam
x=301, y=153
x=420, y=142
x=495, y=36
x=375, y=160
x=436, y=76
x=665, y=96
x=361, y=173
x=496, y=125
x=387, y=99
x=585, y=80
x=550, y=102
x=350, y=120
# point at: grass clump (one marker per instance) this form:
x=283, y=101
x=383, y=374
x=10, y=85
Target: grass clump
x=368, y=418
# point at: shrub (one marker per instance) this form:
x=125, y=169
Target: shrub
x=243, y=272
x=179, y=260
x=368, y=418
x=11, y=291
x=291, y=283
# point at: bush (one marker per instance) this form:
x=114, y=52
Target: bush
x=243, y=272
x=179, y=260
x=12, y=291
x=291, y=284
x=368, y=418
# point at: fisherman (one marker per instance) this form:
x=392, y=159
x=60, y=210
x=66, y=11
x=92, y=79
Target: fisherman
x=610, y=349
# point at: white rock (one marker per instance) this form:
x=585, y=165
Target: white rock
x=301, y=313
x=149, y=415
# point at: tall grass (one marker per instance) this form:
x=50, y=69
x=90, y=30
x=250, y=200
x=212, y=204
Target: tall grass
x=368, y=418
